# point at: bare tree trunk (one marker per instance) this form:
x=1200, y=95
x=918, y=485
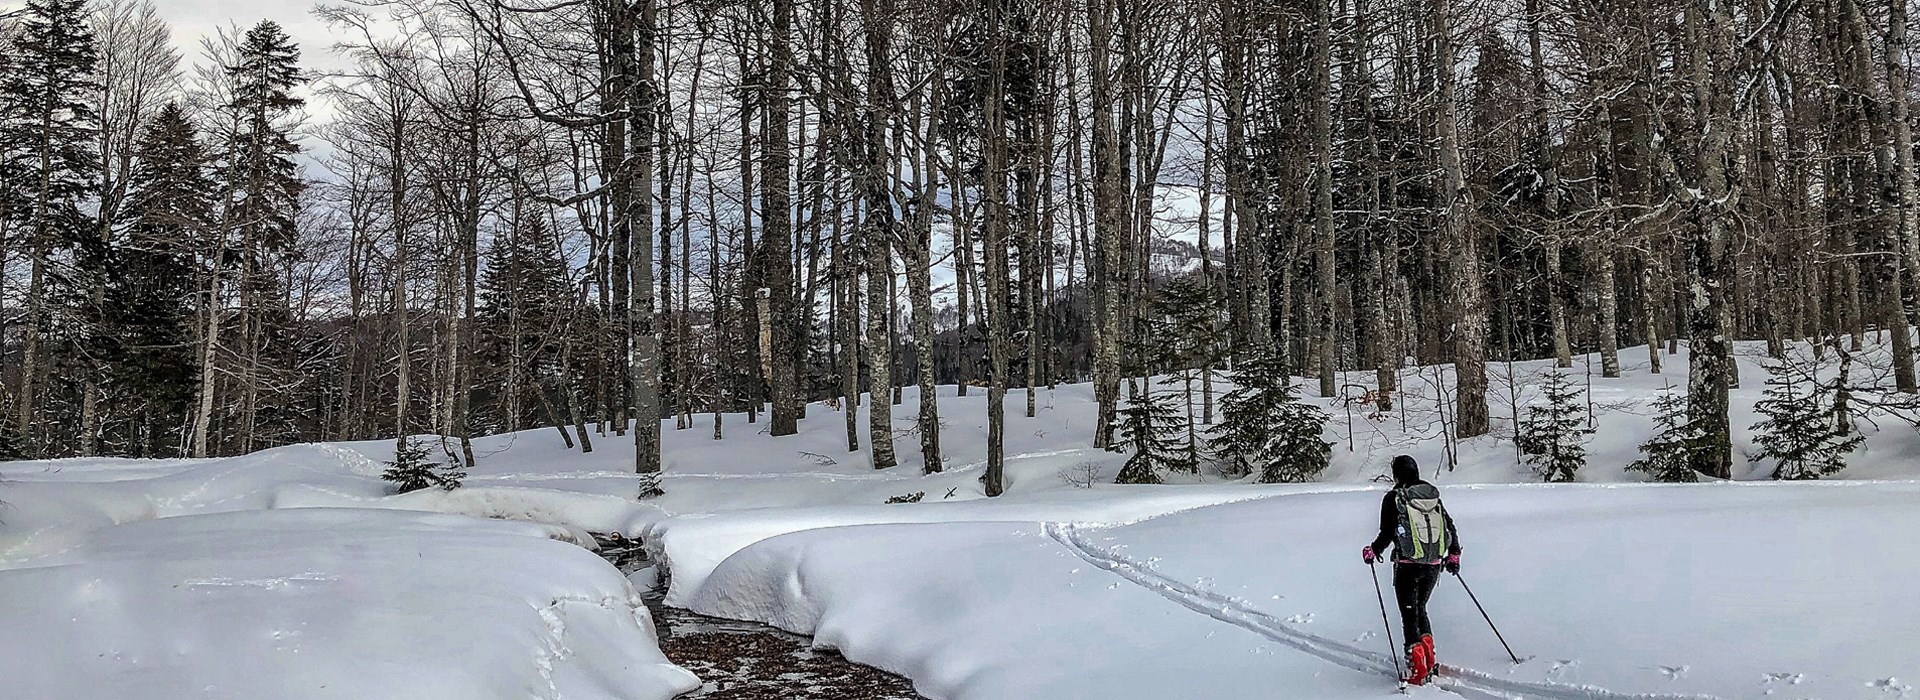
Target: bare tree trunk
x=208, y=352
x=1470, y=319
x=1607, y=297
x=1549, y=166
x=1707, y=247
x=879, y=226
x=846, y=318
x=920, y=289
x=776, y=209
x=1890, y=122
x=644, y=344
x=1109, y=226
x=1899, y=83
x=1323, y=213
x=993, y=150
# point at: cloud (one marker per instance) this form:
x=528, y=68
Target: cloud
x=194, y=20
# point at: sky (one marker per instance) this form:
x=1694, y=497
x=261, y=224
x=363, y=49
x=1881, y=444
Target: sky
x=195, y=19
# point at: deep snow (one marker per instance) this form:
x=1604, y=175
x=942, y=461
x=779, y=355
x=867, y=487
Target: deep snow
x=326, y=603
x=1714, y=590
x=1208, y=588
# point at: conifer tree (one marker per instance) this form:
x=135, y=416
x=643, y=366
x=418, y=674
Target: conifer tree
x=412, y=469
x=264, y=186
x=1554, y=436
x=147, y=323
x=1189, y=336
x=523, y=299
x=1799, y=432
x=1265, y=428
x=1667, y=455
x=48, y=128
x=266, y=180
x=1151, y=426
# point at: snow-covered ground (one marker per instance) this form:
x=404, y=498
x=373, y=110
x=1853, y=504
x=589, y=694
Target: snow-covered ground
x=1736, y=591
x=292, y=573
x=326, y=603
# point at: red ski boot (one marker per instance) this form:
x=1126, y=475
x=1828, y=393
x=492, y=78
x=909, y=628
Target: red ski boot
x=1419, y=664
x=1433, y=659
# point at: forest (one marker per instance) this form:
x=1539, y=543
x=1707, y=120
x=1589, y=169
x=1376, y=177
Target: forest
x=589, y=214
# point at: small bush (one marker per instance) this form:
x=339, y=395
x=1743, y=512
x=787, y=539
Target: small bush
x=1083, y=475
x=413, y=469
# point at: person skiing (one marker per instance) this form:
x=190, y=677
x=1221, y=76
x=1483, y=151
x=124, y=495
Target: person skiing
x=1424, y=543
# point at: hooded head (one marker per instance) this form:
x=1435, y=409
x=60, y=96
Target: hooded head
x=1405, y=470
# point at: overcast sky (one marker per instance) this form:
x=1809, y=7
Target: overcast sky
x=194, y=19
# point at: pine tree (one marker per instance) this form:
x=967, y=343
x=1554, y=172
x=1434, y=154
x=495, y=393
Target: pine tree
x=1264, y=427
x=1151, y=425
x=1554, y=436
x=49, y=119
x=1190, y=336
x=1799, y=432
x=1668, y=454
x=48, y=129
x=412, y=469
x=264, y=186
x=1187, y=328
x=146, y=325
x=260, y=158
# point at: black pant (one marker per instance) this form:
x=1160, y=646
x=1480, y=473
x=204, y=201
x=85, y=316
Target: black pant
x=1412, y=586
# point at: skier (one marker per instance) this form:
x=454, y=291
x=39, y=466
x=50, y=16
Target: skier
x=1424, y=542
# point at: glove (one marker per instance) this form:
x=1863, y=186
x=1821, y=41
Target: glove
x=1367, y=555
x=1453, y=564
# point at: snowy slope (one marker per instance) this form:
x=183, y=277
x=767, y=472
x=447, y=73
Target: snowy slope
x=1062, y=588
x=324, y=603
x=1607, y=592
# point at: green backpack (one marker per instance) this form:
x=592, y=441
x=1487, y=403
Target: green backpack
x=1421, y=536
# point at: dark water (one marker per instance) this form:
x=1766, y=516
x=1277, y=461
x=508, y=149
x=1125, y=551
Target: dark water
x=750, y=661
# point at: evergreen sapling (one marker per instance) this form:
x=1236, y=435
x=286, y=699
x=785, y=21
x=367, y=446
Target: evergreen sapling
x=1264, y=427
x=1151, y=425
x=1553, y=439
x=1666, y=456
x=1801, y=431
x=412, y=469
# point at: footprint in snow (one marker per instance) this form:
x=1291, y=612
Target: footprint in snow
x=1787, y=678
x=1561, y=666
x=1673, y=673
x=1891, y=686
x=1364, y=636
x=1301, y=619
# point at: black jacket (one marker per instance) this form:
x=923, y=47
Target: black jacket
x=1390, y=522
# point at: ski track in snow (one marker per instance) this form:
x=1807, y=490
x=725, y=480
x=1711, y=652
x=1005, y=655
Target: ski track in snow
x=1466, y=682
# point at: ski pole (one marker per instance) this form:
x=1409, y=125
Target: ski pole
x=1392, y=649
x=1483, y=615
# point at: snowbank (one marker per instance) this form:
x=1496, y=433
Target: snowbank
x=328, y=603
x=995, y=611
x=1209, y=587
x=691, y=546
x=1734, y=591
x=50, y=504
